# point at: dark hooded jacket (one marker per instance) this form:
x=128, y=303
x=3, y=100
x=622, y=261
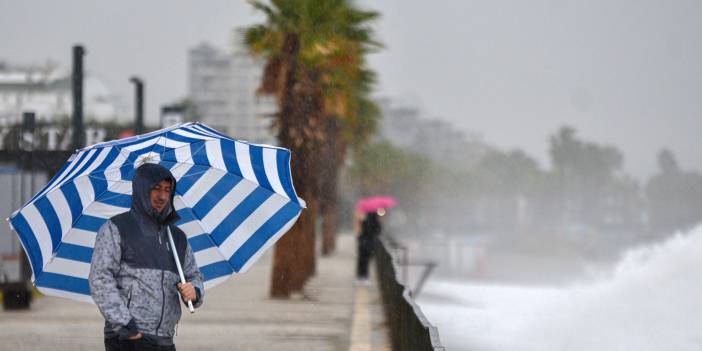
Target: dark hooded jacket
x=133, y=274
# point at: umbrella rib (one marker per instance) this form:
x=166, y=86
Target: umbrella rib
x=124, y=153
x=63, y=182
x=58, y=247
x=199, y=223
x=179, y=164
x=96, y=171
x=189, y=160
x=73, y=180
x=189, y=207
x=272, y=192
x=116, y=164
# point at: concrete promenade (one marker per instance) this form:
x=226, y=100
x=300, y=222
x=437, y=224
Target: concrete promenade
x=334, y=313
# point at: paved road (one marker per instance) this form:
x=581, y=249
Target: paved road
x=334, y=314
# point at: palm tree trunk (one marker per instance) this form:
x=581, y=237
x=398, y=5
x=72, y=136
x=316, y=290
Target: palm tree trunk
x=298, y=130
x=291, y=261
x=329, y=220
x=333, y=155
x=312, y=243
x=310, y=109
x=306, y=250
x=285, y=264
x=300, y=270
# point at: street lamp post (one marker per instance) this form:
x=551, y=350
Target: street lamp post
x=77, y=89
x=138, y=105
x=29, y=124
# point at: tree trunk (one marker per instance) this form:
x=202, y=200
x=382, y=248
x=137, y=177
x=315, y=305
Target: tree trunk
x=308, y=97
x=332, y=159
x=311, y=243
x=298, y=130
x=285, y=264
x=306, y=248
x=329, y=215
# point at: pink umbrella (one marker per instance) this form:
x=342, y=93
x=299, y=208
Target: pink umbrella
x=374, y=203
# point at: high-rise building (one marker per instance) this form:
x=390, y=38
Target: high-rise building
x=400, y=124
x=438, y=140
x=223, y=88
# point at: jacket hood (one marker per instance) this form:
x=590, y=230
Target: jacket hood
x=145, y=178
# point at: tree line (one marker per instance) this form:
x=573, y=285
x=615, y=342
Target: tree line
x=585, y=192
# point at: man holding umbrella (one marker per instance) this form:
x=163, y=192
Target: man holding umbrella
x=134, y=278
x=102, y=228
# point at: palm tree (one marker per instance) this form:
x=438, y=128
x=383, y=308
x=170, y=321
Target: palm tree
x=351, y=128
x=303, y=42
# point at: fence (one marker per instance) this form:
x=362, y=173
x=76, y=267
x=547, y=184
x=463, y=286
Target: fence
x=409, y=328
x=22, y=173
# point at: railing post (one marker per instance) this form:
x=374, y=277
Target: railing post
x=409, y=329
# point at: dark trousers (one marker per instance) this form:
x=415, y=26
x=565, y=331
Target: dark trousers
x=114, y=344
x=365, y=253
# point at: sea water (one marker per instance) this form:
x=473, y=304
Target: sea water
x=651, y=299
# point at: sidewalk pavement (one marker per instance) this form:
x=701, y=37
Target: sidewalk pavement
x=334, y=313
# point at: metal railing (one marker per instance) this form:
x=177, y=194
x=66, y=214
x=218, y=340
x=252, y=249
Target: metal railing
x=409, y=328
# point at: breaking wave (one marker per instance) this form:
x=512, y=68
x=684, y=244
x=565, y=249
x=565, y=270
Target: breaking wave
x=650, y=300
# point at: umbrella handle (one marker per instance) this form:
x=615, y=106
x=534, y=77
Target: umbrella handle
x=180, y=269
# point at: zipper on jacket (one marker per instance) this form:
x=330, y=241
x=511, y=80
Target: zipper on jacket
x=163, y=304
x=129, y=296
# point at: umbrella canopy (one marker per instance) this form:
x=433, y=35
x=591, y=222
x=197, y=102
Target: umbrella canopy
x=235, y=199
x=374, y=203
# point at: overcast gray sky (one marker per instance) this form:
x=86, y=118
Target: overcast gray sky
x=622, y=72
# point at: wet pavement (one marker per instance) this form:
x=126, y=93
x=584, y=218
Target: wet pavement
x=334, y=313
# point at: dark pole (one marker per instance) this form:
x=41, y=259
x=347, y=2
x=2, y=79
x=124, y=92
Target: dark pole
x=28, y=127
x=78, y=132
x=17, y=295
x=138, y=105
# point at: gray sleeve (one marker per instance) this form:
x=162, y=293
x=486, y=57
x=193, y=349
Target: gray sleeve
x=193, y=275
x=104, y=266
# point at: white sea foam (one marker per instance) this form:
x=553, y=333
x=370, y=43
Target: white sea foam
x=651, y=300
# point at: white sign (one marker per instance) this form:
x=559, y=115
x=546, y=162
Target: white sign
x=47, y=138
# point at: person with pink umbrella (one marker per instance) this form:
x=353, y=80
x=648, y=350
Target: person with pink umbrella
x=370, y=228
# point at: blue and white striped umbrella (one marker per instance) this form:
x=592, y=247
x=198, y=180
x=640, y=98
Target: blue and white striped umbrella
x=235, y=200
